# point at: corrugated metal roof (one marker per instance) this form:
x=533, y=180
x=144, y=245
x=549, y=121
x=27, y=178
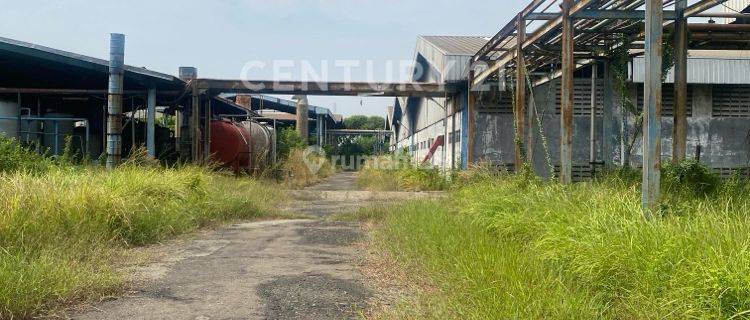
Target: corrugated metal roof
x=706, y=67
x=457, y=45
x=48, y=53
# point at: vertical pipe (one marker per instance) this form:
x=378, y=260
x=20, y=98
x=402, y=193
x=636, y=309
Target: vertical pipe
x=652, y=105
x=679, y=131
x=520, y=106
x=608, y=120
x=151, y=123
x=470, y=123
x=445, y=137
x=592, y=122
x=114, y=95
x=566, y=105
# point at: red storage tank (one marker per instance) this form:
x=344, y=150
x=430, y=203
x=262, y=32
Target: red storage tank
x=230, y=144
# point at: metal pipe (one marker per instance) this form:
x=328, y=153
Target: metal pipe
x=592, y=120
x=114, y=93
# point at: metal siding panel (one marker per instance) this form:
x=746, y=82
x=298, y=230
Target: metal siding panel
x=704, y=71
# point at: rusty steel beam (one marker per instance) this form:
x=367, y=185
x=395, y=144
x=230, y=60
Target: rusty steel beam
x=507, y=30
x=608, y=121
x=566, y=105
x=520, y=97
x=545, y=29
x=679, y=130
x=650, y=191
x=414, y=89
x=701, y=6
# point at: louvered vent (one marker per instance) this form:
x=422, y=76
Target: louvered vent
x=496, y=102
x=582, y=97
x=667, y=100
x=731, y=101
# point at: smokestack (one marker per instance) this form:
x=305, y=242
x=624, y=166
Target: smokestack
x=302, y=116
x=114, y=96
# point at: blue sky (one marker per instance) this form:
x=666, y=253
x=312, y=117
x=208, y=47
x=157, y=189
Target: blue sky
x=219, y=37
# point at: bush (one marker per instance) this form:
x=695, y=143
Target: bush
x=288, y=141
x=689, y=178
x=14, y=158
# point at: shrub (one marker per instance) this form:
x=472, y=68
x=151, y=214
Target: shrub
x=14, y=158
x=690, y=178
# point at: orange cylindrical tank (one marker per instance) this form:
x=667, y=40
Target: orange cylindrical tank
x=230, y=144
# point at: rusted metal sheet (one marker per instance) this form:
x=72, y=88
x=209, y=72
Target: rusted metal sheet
x=566, y=104
x=679, y=131
x=114, y=99
x=652, y=109
x=520, y=98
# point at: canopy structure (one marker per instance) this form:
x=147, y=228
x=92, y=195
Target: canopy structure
x=553, y=38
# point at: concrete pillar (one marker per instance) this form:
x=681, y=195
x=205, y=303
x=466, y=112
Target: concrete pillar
x=302, y=117
x=519, y=111
x=679, y=130
x=195, y=127
x=151, y=123
x=566, y=105
x=652, y=108
x=114, y=97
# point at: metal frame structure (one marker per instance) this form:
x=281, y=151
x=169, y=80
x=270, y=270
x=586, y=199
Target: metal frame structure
x=562, y=41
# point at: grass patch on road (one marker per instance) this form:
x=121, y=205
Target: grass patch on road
x=61, y=225
x=514, y=247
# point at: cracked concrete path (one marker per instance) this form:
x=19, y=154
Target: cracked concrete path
x=293, y=269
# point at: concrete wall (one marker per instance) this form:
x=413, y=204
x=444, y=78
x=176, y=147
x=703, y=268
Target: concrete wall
x=725, y=141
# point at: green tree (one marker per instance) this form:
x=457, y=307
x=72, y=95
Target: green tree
x=360, y=122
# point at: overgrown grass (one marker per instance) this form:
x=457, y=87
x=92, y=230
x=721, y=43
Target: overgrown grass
x=513, y=247
x=303, y=168
x=61, y=226
x=397, y=173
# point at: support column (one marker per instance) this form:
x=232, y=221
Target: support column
x=470, y=123
x=566, y=105
x=302, y=117
x=207, y=131
x=182, y=124
x=592, y=122
x=608, y=119
x=520, y=106
x=151, y=123
x=195, y=127
x=114, y=96
x=679, y=131
x=652, y=113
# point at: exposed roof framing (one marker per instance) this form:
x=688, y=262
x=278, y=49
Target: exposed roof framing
x=597, y=26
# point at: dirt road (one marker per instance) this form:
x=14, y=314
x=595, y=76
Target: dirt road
x=298, y=269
